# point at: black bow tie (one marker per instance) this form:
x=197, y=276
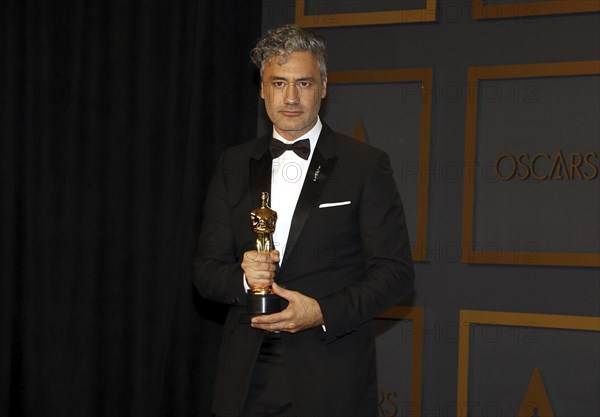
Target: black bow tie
x=301, y=148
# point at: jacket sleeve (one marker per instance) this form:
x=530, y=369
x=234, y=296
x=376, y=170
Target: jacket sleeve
x=218, y=275
x=386, y=249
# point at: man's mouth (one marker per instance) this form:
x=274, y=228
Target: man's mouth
x=291, y=113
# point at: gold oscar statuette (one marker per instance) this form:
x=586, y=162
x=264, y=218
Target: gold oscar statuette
x=262, y=300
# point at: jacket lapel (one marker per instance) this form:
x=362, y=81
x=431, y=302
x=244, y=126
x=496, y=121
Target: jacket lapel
x=319, y=172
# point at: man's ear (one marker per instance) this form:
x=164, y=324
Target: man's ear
x=324, y=87
x=262, y=86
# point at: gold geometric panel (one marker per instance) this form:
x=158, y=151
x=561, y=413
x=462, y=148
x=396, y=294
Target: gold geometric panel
x=415, y=314
x=473, y=251
x=495, y=10
x=535, y=399
x=329, y=18
x=359, y=132
x=425, y=77
x=536, y=402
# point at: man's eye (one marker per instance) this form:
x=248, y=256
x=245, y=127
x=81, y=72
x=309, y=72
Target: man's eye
x=279, y=84
x=305, y=84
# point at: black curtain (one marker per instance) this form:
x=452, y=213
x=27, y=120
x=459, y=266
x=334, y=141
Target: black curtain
x=112, y=114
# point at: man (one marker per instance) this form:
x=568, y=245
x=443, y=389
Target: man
x=342, y=250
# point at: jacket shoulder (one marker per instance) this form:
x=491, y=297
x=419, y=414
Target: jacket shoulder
x=244, y=150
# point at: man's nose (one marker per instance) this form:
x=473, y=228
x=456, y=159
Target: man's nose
x=292, y=93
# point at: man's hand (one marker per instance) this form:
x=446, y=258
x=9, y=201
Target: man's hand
x=259, y=268
x=301, y=313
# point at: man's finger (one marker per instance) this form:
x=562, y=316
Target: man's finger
x=262, y=267
x=270, y=318
x=274, y=255
x=255, y=256
x=283, y=293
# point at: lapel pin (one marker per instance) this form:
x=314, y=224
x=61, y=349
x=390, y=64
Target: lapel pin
x=317, y=172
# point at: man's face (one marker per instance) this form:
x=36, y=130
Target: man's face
x=292, y=91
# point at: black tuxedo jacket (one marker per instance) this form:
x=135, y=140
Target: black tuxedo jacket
x=352, y=257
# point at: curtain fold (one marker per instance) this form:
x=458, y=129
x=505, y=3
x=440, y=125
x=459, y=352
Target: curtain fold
x=111, y=117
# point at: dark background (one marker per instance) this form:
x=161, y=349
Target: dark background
x=112, y=114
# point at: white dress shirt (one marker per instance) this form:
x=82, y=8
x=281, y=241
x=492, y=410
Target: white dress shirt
x=287, y=177
x=288, y=172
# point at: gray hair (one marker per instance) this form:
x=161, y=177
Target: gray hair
x=287, y=39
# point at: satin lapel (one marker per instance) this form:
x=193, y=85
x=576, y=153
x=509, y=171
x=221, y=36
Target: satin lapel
x=319, y=172
x=260, y=174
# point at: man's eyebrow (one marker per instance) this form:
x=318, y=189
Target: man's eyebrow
x=280, y=78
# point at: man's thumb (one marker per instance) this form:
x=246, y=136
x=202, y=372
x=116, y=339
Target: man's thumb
x=282, y=292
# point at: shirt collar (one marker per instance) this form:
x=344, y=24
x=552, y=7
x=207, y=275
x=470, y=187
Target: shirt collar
x=312, y=135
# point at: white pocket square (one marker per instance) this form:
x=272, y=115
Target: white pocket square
x=340, y=203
